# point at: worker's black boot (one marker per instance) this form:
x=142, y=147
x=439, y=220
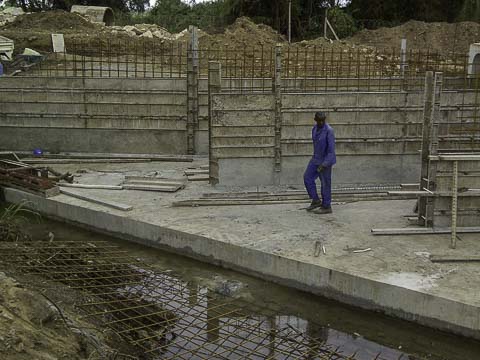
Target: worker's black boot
x=314, y=205
x=324, y=210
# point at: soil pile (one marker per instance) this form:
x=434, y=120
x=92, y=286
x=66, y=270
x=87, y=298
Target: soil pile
x=244, y=32
x=31, y=327
x=34, y=31
x=51, y=21
x=9, y=15
x=436, y=37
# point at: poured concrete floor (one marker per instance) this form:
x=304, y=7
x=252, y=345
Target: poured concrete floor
x=446, y=296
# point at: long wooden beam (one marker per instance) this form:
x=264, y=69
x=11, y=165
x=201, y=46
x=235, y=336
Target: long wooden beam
x=424, y=231
x=96, y=200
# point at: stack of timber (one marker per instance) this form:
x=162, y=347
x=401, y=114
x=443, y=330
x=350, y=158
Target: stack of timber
x=288, y=197
x=198, y=174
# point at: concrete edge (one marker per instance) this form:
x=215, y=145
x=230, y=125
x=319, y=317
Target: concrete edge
x=392, y=300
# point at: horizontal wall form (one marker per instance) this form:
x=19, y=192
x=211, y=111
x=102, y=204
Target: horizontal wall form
x=112, y=115
x=96, y=115
x=468, y=203
x=378, y=135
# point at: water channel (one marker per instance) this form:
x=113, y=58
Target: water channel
x=347, y=328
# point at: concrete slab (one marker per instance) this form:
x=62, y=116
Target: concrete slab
x=278, y=243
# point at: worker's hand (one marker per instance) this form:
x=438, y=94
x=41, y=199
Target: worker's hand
x=320, y=169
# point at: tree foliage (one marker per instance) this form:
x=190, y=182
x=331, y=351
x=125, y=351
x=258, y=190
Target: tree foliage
x=176, y=15
x=307, y=15
x=117, y=5
x=399, y=11
x=470, y=10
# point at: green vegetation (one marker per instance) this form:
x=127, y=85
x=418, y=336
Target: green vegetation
x=176, y=15
x=12, y=219
x=347, y=16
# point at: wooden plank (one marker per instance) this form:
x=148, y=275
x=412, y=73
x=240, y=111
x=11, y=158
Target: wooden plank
x=460, y=157
x=97, y=200
x=74, y=155
x=151, y=187
x=198, y=178
x=83, y=161
x=15, y=163
x=453, y=258
x=234, y=195
x=92, y=186
x=190, y=172
x=232, y=202
x=154, y=181
x=413, y=193
x=410, y=186
x=468, y=193
x=424, y=231
x=273, y=199
x=294, y=196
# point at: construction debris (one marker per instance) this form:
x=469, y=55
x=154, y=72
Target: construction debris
x=6, y=48
x=357, y=250
x=149, y=31
x=95, y=14
x=361, y=251
x=20, y=176
x=9, y=15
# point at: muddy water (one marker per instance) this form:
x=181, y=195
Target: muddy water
x=342, y=326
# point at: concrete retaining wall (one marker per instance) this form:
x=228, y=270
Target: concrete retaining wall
x=97, y=115
x=378, y=135
x=409, y=304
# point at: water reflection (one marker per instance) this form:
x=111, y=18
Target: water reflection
x=210, y=326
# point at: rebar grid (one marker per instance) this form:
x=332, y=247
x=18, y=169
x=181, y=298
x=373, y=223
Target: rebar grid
x=467, y=123
x=250, y=69
x=163, y=316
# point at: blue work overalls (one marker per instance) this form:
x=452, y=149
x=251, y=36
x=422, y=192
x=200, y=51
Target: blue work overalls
x=323, y=155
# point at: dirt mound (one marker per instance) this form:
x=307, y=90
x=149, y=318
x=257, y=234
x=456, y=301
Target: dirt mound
x=244, y=32
x=51, y=21
x=436, y=37
x=32, y=326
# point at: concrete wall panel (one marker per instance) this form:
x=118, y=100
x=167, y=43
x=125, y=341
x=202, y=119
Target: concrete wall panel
x=94, y=140
x=378, y=133
x=362, y=169
x=236, y=171
x=96, y=115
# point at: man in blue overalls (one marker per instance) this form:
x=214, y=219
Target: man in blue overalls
x=320, y=166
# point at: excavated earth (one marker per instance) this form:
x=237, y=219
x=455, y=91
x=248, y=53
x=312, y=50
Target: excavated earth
x=34, y=31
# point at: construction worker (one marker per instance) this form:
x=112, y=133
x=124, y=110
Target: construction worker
x=320, y=166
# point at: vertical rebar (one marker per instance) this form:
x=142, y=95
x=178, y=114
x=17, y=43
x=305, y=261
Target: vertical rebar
x=453, y=243
x=101, y=57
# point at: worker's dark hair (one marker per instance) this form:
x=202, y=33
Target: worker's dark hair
x=320, y=115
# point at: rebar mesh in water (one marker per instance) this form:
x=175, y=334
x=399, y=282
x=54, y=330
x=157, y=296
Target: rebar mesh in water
x=162, y=316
